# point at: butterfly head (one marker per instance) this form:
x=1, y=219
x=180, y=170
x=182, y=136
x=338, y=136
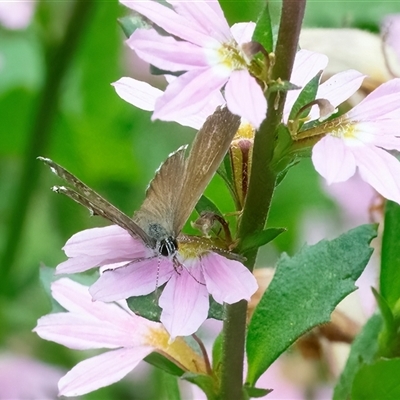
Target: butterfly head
x=168, y=247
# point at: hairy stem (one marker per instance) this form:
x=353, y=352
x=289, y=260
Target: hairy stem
x=39, y=136
x=259, y=196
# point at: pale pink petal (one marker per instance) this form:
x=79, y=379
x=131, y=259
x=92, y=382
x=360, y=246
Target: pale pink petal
x=136, y=279
x=382, y=102
x=188, y=94
x=333, y=159
x=306, y=65
x=138, y=93
x=338, y=89
x=100, y=371
x=380, y=133
x=170, y=21
x=244, y=97
x=76, y=298
x=83, y=263
x=387, y=142
x=228, y=281
x=100, y=246
x=204, y=16
x=81, y=332
x=380, y=169
x=102, y=241
x=165, y=52
x=185, y=303
x=243, y=32
x=214, y=4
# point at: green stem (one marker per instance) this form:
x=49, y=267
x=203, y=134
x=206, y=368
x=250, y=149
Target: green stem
x=39, y=137
x=259, y=196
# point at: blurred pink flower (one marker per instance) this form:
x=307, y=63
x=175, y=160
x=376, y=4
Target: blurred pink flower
x=211, y=54
x=132, y=269
x=357, y=139
x=24, y=378
x=94, y=325
x=16, y=14
x=391, y=30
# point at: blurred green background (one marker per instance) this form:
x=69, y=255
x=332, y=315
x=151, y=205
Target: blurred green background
x=110, y=145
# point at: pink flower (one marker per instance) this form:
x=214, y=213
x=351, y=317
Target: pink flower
x=94, y=325
x=359, y=139
x=16, y=14
x=211, y=54
x=39, y=379
x=132, y=269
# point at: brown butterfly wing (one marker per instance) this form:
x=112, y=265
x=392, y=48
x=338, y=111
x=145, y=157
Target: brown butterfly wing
x=210, y=145
x=96, y=204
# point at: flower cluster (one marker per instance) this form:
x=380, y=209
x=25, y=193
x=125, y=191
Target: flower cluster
x=212, y=65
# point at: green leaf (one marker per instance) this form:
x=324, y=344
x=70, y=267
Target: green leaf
x=216, y=310
x=164, y=364
x=158, y=71
x=171, y=387
x=146, y=306
x=363, y=351
x=216, y=353
x=263, y=32
x=378, y=381
x=282, y=86
x=306, y=96
x=259, y=239
x=390, y=259
x=256, y=392
x=303, y=293
x=205, y=204
x=204, y=382
x=130, y=23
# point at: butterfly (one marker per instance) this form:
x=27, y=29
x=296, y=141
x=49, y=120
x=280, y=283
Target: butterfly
x=174, y=191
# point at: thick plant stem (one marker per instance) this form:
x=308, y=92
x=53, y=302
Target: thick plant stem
x=39, y=136
x=259, y=196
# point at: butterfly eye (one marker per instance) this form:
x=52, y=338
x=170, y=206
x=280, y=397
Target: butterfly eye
x=168, y=246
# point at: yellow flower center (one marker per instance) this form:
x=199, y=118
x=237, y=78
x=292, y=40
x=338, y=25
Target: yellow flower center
x=193, y=247
x=344, y=130
x=231, y=56
x=178, y=351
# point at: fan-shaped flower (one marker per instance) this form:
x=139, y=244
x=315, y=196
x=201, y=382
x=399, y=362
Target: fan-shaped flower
x=212, y=55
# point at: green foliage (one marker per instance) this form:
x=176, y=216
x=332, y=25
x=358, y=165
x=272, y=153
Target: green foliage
x=303, y=293
x=307, y=95
x=379, y=381
x=147, y=306
x=205, y=204
x=130, y=23
x=263, y=32
x=363, y=351
x=205, y=382
x=256, y=392
x=171, y=387
x=164, y=364
x=390, y=260
x=259, y=239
